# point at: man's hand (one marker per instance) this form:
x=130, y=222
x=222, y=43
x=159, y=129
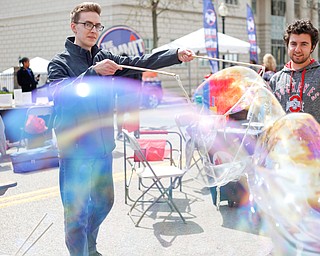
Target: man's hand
x=185, y=55
x=106, y=67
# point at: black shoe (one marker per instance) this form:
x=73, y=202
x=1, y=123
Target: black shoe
x=137, y=134
x=120, y=136
x=95, y=254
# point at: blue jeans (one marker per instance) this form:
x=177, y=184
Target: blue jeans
x=87, y=193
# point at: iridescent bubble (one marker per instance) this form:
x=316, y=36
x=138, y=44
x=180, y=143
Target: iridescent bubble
x=262, y=106
x=85, y=108
x=226, y=87
x=226, y=146
x=286, y=182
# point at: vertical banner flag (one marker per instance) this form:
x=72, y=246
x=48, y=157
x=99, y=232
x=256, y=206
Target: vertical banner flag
x=251, y=28
x=211, y=33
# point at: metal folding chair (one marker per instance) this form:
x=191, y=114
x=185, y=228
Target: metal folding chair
x=155, y=173
x=183, y=121
x=171, y=153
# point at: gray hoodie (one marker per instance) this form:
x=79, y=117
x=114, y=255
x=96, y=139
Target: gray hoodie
x=298, y=90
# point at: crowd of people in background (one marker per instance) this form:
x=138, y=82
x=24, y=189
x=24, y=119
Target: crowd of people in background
x=301, y=37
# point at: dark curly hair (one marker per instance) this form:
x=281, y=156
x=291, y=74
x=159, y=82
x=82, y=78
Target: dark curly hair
x=302, y=27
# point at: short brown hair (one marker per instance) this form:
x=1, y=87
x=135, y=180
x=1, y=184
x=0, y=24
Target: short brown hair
x=302, y=27
x=84, y=7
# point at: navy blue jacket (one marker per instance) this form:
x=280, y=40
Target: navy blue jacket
x=83, y=100
x=27, y=81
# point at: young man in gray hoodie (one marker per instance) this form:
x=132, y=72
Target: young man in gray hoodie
x=296, y=86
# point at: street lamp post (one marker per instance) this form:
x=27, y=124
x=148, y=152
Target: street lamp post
x=223, y=12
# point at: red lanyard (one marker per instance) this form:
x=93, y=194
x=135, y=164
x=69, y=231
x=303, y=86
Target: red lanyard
x=301, y=86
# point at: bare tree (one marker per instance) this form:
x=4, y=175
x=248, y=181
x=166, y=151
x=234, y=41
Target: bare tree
x=157, y=7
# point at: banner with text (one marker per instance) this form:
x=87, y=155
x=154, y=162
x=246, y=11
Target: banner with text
x=211, y=33
x=251, y=28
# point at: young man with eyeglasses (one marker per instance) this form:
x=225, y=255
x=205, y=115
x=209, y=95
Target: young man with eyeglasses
x=84, y=123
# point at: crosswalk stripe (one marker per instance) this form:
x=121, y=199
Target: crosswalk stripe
x=40, y=194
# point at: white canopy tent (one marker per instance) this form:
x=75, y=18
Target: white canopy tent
x=37, y=64
x=8, y=71
x=195, y=41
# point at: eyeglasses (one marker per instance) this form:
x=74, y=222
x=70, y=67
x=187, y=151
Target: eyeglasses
x=90, y=26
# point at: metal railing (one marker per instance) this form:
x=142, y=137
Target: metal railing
x=8, y=81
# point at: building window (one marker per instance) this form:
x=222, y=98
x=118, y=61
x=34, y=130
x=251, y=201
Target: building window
x=203, y=63
x=278, y=50
x=312, y=4
x=318, y=9
x=232, y=2
x=148, y=44
x=278, y=7
x=254, y=6
x=297, y=8
x=230, y=56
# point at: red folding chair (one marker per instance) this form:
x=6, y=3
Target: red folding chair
x=154, y=173
x=158, y=147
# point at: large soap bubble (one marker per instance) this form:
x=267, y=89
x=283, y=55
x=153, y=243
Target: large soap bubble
x=224, y=143
x=85, y=105
x=286, y=182
x=226, y=87
x=262, y=106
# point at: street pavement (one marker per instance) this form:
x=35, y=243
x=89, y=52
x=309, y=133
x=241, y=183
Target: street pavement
x=229, y=231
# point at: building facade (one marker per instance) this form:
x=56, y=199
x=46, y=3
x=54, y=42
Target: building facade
x=39, y=28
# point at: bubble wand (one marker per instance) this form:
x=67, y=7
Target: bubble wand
x=177, y=77
x=231, y=61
